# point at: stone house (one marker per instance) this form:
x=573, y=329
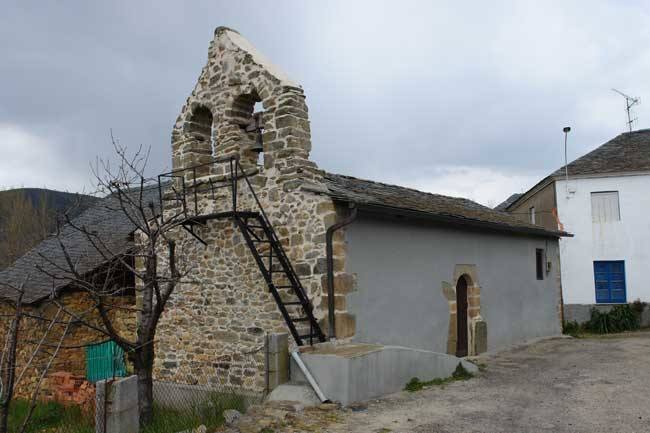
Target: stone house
x=600, y=198
x=44, y=293
x=280, y=246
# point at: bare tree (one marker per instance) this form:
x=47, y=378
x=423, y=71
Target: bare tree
x=151, y=258
x=8, y=362
x=11, y=370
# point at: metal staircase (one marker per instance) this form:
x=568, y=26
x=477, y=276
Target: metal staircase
x=182, y=191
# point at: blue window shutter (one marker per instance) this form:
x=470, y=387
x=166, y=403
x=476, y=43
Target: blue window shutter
x=609, y=281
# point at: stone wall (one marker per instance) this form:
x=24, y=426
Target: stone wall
x=71, y=358
x=214, y=327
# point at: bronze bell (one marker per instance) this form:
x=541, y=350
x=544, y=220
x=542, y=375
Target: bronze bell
x=256, y=125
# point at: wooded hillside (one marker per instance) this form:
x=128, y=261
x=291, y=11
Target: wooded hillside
x=28, y=215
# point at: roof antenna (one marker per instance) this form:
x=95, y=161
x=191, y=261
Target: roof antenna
x=566, y=130
x=629, y=103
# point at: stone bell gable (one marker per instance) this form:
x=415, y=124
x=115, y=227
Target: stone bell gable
x=217, y=319
x=214, y=120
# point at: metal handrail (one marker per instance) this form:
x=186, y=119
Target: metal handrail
x=185, y=182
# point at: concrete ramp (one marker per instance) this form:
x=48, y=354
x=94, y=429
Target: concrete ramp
x=356, y=372
x=298, y=392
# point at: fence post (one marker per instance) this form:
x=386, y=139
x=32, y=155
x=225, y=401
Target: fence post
x=116, y=406
x=277, y=349
x=267, y=367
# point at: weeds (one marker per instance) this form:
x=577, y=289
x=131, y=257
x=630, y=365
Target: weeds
x=208, y=413
x=625, y=317
x=57, y=418
x=482, y=366
x=460, y=373
x=50, y=416
x=618, y=319
x=571, y=328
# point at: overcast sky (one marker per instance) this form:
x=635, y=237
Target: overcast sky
x=459, y=98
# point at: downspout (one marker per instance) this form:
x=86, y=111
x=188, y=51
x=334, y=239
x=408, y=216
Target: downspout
x=329, y=236
x=296, y=357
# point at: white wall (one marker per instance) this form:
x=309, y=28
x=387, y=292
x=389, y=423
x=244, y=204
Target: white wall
x=627, y=239
x=400, y=266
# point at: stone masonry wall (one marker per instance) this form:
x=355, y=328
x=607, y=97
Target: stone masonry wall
x=71, y=358
x=214, y=328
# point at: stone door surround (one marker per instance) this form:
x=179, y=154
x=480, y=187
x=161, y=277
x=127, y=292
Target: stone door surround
x=470, y=273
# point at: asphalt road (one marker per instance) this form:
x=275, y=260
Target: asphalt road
x=560, y=385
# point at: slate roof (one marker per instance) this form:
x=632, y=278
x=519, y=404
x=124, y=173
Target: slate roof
x=627, y=152
x=507, y=202
x=112, y=226
x=452, y=210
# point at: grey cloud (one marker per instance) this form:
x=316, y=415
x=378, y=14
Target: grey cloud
x=396, y=90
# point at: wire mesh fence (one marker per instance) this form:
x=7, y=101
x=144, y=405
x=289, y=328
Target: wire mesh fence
x=191, y=394
x=186, y=396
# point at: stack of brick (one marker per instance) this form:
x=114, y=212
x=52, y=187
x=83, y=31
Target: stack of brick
x=66, y=388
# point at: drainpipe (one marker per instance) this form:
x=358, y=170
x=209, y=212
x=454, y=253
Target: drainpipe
x=329, y=236
x=314, y=385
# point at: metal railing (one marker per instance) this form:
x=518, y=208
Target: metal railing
x=188, y=186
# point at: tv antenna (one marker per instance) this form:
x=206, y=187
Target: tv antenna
x=629, y=103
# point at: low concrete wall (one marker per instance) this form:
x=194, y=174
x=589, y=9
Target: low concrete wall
x=277, y=360
x=582, y=313
x=116, y=406
x=387, y=369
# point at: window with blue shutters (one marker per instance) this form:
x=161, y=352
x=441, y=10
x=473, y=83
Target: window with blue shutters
x=609, y=278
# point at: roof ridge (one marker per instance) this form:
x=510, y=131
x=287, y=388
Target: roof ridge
x=387, y=196
x=404, y=187
x=627, y=152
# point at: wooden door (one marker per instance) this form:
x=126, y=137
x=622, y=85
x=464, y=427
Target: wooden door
x=461, y=317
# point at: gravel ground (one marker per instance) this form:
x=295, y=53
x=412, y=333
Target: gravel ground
x=559, y=385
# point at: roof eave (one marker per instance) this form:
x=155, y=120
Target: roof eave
x=457, y=221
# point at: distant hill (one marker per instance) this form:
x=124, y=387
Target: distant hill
x=28, y=215
x=56, y=201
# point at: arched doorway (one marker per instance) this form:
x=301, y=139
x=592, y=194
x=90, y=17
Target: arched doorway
x=461, y=317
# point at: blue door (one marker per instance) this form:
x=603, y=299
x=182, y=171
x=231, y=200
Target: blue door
x=609, y=277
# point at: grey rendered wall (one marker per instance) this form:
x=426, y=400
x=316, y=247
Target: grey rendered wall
x=400, y=267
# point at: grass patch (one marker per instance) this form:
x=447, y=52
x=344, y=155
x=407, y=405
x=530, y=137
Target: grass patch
x=460, y=373
x=52, y=417
x=57, y=418
x=208, y=413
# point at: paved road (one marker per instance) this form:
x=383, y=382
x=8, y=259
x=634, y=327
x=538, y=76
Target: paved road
x=560, y=385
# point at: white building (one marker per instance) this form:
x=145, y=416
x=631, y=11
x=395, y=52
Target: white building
x=606, y=206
